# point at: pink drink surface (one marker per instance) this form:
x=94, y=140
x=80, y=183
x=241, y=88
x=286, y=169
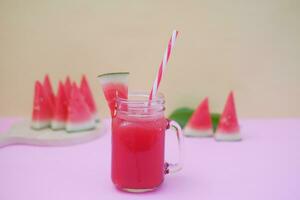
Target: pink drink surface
x=138, y=152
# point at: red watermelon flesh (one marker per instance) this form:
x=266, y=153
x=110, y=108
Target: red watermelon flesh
x=229, y=122
x=113, y=85
x=200, y=123
x=68, y=87
x=88, y=96
x=111, y=91
x=80, y=117
x=60, y=113
x=49, y=92
x=41, y=113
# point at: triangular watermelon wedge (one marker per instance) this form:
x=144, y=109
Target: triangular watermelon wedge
x=228, y=127
x=68, y=87
x=200, y=124
x=60, y=113
x=80, y=117
x=113, y=85
x=41, y=112
x=49, y=92
x=88, y=97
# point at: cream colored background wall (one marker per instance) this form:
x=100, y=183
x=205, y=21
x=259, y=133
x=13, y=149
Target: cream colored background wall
x=252, y=47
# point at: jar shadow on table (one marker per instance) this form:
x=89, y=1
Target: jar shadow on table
x=182, y=183
x=172, y=184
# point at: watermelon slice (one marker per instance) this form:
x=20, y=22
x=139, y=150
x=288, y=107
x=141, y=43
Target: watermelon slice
x=228, y=128
x=49, y=92
x=68, y=87
x=41, y=112
x=60, y=110
x=200, y=124
x=88, y=97
x=80, y=117
x=113, y=85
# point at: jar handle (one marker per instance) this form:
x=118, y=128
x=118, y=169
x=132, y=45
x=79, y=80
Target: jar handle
x=175, y=167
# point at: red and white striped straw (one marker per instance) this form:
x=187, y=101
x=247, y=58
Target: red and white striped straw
x=163, y=64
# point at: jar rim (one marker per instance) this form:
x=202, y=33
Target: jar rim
x=138, y=105
x=158, y=99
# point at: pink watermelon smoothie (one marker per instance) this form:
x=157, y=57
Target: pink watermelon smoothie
x=41, y=112
x=228, y=127
x=200, y=124
x=138, y=151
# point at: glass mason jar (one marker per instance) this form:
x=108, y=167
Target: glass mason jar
x=138, y=143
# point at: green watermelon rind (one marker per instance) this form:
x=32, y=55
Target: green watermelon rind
x=112, y=74
x=215, y=118
x=115, y=77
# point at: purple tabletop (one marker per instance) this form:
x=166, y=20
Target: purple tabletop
x=265, y=165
